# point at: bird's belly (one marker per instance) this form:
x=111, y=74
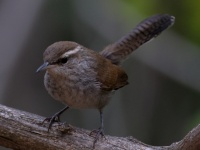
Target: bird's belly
x=77, y=95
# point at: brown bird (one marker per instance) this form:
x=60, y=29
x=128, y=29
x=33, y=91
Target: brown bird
x=82, y=78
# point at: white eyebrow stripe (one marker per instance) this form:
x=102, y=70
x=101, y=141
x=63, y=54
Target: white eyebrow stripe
x=71, y=52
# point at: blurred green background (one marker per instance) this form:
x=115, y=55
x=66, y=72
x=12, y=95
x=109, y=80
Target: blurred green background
x=162, y=102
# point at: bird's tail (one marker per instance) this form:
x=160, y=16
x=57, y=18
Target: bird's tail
x=145, y=31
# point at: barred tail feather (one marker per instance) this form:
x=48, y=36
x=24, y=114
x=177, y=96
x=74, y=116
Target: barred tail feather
x=145, y=31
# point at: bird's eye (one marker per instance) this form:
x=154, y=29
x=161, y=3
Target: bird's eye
x=63, y=60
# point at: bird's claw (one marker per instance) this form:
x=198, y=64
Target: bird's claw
x=96, y=134
x=51, y=120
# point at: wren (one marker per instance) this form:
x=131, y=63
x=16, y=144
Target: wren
x=82, y=78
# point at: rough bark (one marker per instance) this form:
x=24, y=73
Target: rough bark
x=21, y=130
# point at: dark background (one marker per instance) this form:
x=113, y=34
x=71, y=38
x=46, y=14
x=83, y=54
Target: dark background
x=161, y=103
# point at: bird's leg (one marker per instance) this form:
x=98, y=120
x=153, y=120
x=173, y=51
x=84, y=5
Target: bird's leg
x=55, y=117
x=98, y=132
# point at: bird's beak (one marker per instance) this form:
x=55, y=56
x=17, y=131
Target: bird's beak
x=42, y=67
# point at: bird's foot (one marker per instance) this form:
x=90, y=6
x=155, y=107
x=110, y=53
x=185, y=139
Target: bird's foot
x=97, y=133
x=51, y=120
x=55, y=117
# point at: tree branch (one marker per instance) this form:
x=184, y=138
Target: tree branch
x=22, y=130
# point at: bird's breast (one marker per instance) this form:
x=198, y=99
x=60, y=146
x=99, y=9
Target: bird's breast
x=76, y=89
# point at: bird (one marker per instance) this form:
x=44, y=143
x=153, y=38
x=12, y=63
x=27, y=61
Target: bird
x=82, y=78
